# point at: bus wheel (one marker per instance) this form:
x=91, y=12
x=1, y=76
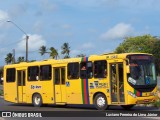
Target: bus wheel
x=37, y=100
x=100, y=102
x=127, y=107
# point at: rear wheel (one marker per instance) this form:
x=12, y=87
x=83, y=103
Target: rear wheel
x=127, y=107
x=100, y=102
x=37, y=100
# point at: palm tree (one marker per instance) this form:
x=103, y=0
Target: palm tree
x=65, y=50
x=42, y=50
x=9, y=58
x=20, y=59
x=81, y=55
x=53, y=53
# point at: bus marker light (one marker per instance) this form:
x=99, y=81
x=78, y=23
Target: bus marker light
x=132, y=94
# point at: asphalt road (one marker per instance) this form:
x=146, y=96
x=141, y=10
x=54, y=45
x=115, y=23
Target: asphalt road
x=6, y=106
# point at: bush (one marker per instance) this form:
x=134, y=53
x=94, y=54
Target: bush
x=157, y=103
x=1, y=92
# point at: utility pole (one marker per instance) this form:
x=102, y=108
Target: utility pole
x=14, y=56
x=27, y=37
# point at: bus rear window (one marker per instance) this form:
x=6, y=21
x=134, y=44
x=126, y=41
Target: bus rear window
x=10, y=75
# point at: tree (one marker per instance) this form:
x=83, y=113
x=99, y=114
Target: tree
x=65, y=50
x=156, y=53
x=43, y=50
x=20, y=59
x=143, y=44
x=53, y=53
x=81, y=55
x=9, y=58
x=137, y=44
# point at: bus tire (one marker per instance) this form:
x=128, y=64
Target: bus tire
x=37, y=100
x=127, y=107
x=100, y=102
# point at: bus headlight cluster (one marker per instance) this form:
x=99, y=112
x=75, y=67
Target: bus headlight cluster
x=132, y=94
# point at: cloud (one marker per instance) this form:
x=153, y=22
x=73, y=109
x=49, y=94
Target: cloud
x=4, y=15
x=74, y=53
x=38, y=26
x=3, y=18
x=66, y=26
x=84, y=49
x=88, y=46
x=119, y=31
x=34, y=43
x=87, y=3
x=49, y=6
x=18, y=9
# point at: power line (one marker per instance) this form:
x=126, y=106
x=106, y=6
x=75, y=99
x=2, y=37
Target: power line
x=12, y=43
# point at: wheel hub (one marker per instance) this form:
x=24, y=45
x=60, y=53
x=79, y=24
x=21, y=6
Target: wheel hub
x=37, y=100
x=100, y=101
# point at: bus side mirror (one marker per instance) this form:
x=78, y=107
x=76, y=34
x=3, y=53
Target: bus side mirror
x=128, y=69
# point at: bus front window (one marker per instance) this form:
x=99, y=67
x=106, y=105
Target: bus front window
x=142, y=71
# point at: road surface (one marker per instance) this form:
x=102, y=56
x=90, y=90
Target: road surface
x=6, y=106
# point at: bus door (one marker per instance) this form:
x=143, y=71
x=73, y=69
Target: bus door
x=117, y=83
x=21, y=84
x=59, y=85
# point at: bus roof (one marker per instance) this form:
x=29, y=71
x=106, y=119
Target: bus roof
x=78, y=59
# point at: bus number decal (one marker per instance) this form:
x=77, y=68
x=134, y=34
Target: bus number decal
x=96, y=84
x=36, y=87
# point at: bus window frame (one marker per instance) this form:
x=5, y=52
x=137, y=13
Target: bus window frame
x=86, y=70
x=14, y=78
x=104, y=76
x=36, y=73
x=78, y=74
x=40, y=72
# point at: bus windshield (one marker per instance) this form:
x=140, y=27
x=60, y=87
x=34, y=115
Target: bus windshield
x=142, y=70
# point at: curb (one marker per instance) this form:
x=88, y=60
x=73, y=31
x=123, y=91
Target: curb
x=1, y=96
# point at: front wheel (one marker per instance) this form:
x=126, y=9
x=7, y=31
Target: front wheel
x=37, y=100
x=100, y=102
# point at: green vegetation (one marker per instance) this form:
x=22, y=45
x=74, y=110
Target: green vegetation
x=157, y=103
x=1, y=92
x=65, y=50
x=142, y=44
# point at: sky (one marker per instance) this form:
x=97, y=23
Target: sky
x=89, y=26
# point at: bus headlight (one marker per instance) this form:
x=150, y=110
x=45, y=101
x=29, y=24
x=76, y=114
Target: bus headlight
x=132, y=94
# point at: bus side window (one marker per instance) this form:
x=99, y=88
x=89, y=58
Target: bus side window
x=33, y=73
x=10, y=75
x=57, y=76
x=83, y=71
x=63, y=75
x=100, y=69
x=73, y=70
x=86, y=70
x=45, y=72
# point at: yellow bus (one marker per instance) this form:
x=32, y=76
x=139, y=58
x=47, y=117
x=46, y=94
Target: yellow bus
x=102, y=80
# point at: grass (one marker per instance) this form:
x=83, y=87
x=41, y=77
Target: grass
x=157, y=103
